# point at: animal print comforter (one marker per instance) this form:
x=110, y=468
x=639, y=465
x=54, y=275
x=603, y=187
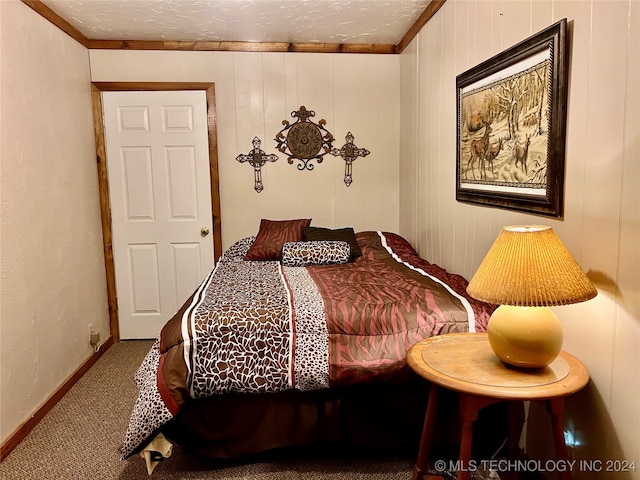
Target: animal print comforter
x=264, y=327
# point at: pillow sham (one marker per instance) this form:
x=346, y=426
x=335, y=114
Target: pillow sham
x=346, y=234
x=272, y=235
x=302, y=254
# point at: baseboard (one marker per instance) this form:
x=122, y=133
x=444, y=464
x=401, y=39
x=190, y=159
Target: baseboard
x=23, y=430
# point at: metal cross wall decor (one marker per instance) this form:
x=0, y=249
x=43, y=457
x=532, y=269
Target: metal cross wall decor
x=349, y=152
x=257, y=158
x=304, y=139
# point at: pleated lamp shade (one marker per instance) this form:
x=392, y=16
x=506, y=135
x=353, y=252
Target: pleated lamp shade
x=529, y=266
x=526, y=271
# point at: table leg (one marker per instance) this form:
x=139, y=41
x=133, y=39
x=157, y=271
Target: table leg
x=515, y=430
x=469, y=406
x=425, y=441
x=556, y=409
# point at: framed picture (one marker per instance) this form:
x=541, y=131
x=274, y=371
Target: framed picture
x=511, y=124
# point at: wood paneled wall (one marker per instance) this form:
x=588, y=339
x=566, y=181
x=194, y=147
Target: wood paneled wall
x=601, y=225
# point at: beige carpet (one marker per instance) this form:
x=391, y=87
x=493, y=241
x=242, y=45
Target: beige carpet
x=80, y=438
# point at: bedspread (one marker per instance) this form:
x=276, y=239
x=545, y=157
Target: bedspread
x=262, y=327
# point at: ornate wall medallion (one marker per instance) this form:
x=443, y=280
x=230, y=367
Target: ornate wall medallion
x=349, y=152
x=304, y=139
x=257, y=158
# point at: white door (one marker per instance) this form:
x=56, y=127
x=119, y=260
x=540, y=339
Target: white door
x=160, y=192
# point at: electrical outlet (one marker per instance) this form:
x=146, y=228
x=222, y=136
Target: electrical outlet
x=94, y=336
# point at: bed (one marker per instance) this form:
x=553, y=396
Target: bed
x=299, y=335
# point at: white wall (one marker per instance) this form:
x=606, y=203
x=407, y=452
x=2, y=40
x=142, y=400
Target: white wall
x=53, y=280
x=601, y=224
x=255, y=92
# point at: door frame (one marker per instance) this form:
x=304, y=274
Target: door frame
x=103, y=181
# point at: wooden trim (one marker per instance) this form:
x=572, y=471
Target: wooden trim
x=103, y=184
x=23, y=430
x=150, y=86
x=202, y=46
x=226, y=46
x=429, y=12
x=58, y=21
x=364, y=48
x=210, y=46
x=213, y=171
x=105, y=212
x=341, y=48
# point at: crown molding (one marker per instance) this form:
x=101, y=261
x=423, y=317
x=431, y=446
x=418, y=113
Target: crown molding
x=58, y=21
x=207, y=46
x=429, y=12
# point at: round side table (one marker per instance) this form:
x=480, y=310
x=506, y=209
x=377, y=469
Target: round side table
x=465, y=363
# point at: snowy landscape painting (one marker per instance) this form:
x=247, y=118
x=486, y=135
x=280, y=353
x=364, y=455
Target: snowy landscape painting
x=511, y=113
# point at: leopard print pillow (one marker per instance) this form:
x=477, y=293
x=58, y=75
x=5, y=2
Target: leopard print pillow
x=302, y=254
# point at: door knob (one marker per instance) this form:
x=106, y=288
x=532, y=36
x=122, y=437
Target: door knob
x=204, y=231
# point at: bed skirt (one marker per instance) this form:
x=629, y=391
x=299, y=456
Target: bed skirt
x=388, y=416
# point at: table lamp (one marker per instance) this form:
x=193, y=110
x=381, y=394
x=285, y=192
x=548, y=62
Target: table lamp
x=528, y=269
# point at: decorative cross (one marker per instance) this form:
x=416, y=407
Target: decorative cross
x=257, y=158
x=349, y=152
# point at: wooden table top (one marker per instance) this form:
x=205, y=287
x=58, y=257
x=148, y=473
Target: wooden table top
x=465, y=362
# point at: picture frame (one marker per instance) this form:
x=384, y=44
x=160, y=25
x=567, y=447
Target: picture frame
x=511, y=126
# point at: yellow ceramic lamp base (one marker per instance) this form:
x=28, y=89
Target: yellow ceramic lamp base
x=525, y=337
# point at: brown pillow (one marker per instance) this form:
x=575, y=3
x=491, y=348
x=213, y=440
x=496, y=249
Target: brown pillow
x=346, y=234
x=272, y=236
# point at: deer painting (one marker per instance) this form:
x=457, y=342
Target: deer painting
x=520, y=154
x=478, y=150
x=492, y=152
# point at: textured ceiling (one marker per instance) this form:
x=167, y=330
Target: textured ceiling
x=291, y=21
